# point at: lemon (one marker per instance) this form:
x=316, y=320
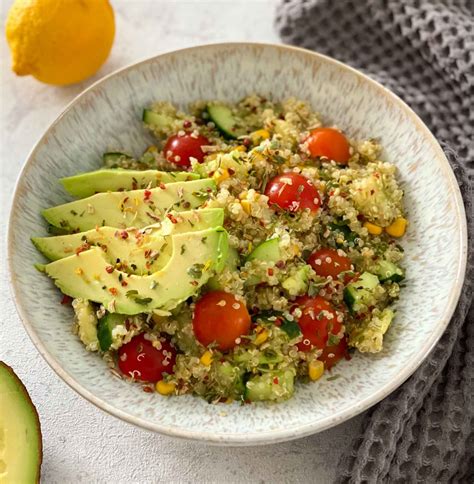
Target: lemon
x=59, y=41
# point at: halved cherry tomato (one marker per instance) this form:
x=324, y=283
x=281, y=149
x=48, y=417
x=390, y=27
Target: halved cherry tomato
x=332, y=354
x=319, y=319
x=141, y=360
x=179, y=149
x=330, y=143
x=293, y=192
x=327, y=262
x=221, y=318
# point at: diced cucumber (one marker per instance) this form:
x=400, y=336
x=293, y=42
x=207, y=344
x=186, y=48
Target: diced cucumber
x=224, y=120
x=359, y=294
x=156, y=120
x=229, y=379
x=274, y=386
x=268, y=251
x=291, y=328
x=388, y=271
x=105, y=328
x=111, y=158
x=297, y=283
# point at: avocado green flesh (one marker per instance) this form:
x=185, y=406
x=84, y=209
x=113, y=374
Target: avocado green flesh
x=116, y=179
x=145, y=250
x=232, y=263
x=20, y=431
x=86, y=276
x=134, y=208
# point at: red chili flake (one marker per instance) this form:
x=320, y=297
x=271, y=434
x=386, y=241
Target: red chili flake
x=123, y=234
x=66, y=300
x=277, y=322
x=146, y=195
x=124, y=283
x=113, y=291
x=280, y=264
x=147, y=253
x=109, y=269
x=270, y=272
x=134, y=185
x=276, y=381
x=148, y=265
x=187, y=124
x=82, y=248
x=194, y=283
x=162, y=186
x=231, y=171
x=172, y=218
x=246, y=142
x=377, y=174
x=331, y=193
x=360, y=217
x=148, y=389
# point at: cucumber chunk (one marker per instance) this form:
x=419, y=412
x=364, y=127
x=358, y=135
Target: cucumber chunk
x=224, y=120
x=105, y=328
x=111, y=158
x=156, y=120
x=359, y=294
x=388, y=271
x=275, y=386
x=268, y=251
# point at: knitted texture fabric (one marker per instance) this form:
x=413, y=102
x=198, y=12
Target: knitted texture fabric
x=423, y=50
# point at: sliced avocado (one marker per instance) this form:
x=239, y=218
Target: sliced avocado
x=87, y=275
x=232, y=263
x=138, y=250
x=21, y=449
x=105, y=329
x=268, y=251
x=117, y=180
x=135, y=208
x=156, y=120
x=275, y=386
x=224, y=120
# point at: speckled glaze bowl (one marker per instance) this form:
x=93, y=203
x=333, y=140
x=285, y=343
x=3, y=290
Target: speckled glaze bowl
x=107, y=116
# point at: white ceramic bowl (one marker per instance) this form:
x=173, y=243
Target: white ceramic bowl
x=108, y=116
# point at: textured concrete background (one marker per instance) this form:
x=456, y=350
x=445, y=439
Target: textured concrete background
x=81, y=443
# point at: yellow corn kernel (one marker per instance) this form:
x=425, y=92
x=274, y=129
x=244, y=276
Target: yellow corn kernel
x=240, y=148
x=246, y=206
x=220, y=175
x=315, y=370
x=296, y=250
x=262, y=336
x=256, y=156
x=372, y=228
x=206, y=358
x=398, y=228
x=243, y=195
x=212, y=156
x=164, y=388
x=258, y=136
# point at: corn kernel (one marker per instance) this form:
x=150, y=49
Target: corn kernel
x=398, y=228
x=246, y=206
x=206, y=358
x=220, y=175
x=261, y=337
x=372, y=228
x=212, y=156
x=164, y=388
x=240, y=148
x=315, y=370
x=258, y=136
x=256, y=156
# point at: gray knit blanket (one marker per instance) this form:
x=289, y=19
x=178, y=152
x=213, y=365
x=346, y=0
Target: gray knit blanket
x=423, y=50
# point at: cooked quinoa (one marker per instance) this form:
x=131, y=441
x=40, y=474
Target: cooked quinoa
x=357, y=214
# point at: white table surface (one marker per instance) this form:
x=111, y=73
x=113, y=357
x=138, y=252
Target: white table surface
x=82, y=443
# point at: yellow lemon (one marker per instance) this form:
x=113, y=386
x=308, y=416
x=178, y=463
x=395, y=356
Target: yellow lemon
x=60, y=41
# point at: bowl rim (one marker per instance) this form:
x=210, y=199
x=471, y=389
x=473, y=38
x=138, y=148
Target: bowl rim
x=272, y=436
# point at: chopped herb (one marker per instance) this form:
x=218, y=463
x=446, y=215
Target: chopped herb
x=183, y=249
x=195, y=271
x=153, y=285
x=334, y=377
x=291, y=328
x=143, y=301
x=73, y=212
x=203, y=240
x=333, y=340
x=131, y=293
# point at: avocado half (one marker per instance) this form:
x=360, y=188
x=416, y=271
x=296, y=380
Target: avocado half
x=21, y=449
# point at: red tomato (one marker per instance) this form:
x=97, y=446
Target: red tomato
x=293, y=192
x=330, y=143
x=332, y=354
x=141, y=360
x=219, y=317
x=179, y=149
x=319, y=319
x=327, y=262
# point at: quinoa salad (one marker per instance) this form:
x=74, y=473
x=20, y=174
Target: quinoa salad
x=253, y=246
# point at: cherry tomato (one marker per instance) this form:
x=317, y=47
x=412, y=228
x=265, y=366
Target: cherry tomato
x=319, y=319
x=293, y=192
x=219, y=317
x=179, y=149
x=141, y=360
x=330, y=143
x=334, y=353
x=327, y=262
